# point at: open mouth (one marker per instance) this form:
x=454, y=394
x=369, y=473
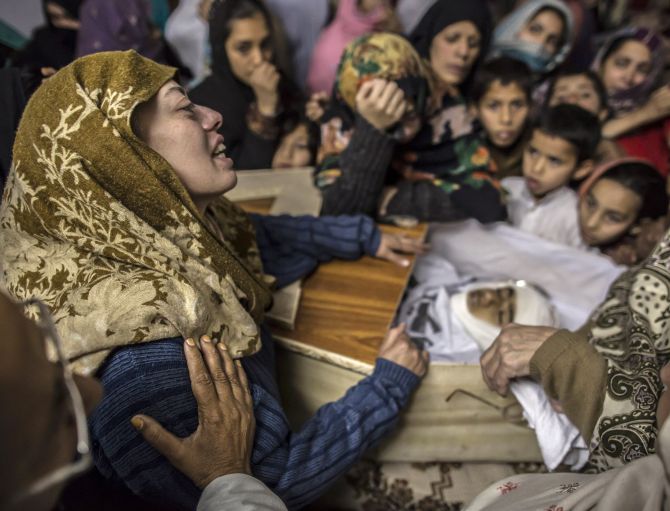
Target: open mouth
x=219, y=150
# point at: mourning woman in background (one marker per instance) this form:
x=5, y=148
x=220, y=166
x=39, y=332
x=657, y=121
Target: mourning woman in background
x=246, y=87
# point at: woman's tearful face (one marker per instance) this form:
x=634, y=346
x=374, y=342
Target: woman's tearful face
x=186, y=135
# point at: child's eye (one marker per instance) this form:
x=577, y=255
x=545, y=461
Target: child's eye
x=518, y=105
x=452, y=38
x=535, y=28
x=532, y=151
x=493, y=105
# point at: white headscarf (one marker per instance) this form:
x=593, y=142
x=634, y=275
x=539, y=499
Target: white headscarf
x=532, y=308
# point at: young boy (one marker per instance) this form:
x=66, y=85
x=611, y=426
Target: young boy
x=585, y=89
x=561, y=148
x=500, y=100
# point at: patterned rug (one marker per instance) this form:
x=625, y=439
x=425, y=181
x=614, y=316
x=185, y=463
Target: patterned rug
x=439, y=486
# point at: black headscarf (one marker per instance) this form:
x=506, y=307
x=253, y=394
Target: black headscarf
x=447, y=12
x=12, y=103
x=224, y=92
x=49, y=45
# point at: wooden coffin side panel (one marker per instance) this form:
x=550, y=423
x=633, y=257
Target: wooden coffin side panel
x=463, y=429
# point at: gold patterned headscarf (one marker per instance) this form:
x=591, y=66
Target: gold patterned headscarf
x=98, y=225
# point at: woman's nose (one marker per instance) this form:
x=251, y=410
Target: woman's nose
x=256, y=56
x=211, y=119
x=462, y=50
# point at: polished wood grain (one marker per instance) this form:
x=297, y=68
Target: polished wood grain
x=347, y=306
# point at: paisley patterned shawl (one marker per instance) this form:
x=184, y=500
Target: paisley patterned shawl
x=99, y=226
x=631, y=329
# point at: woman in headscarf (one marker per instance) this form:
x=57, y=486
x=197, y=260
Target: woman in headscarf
x=539, y=33
x=353, y=19
x=54, y=44
x=630, y=65
x=113, y=216
x=246, y=87
x=408, y=127
x=447, y=171
x=120, y=25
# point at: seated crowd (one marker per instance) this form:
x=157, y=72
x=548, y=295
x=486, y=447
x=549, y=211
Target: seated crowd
x=533, y=137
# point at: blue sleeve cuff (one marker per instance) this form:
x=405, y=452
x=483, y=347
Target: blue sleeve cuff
x=374, y=236
x=390, y=372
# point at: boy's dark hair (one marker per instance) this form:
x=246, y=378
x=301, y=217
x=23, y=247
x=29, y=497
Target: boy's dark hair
x=590, y=75
x=645, y=181
x=506, y=70
x=574, y=124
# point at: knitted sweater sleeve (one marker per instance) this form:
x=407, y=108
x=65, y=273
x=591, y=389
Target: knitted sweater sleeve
x=360, y=172
x=291, y=247
x=299, y=466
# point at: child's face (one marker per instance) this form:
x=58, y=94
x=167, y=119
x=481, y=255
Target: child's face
x=607, y=212
x=577, y=90
x=503, y=111
x=293, y=150
x=548, y=163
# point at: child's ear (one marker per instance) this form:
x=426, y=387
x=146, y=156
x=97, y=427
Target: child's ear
x=583, y=169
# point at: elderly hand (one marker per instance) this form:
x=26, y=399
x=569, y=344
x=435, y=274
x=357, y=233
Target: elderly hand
x=222, y=443
x=381, y=103
x=509, y=355
x=393, y=243
x=399, y=348
x=264, y=80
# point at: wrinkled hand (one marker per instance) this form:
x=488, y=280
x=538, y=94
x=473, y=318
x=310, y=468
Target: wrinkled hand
x=397, y=347
x=509, y=355
x=222, y=443
x=381, y=103
x=391, y=244
x=264, y=81
x=315, y=107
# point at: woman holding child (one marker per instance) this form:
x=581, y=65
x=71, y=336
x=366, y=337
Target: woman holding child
x=418, y=141
x=114, y=216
